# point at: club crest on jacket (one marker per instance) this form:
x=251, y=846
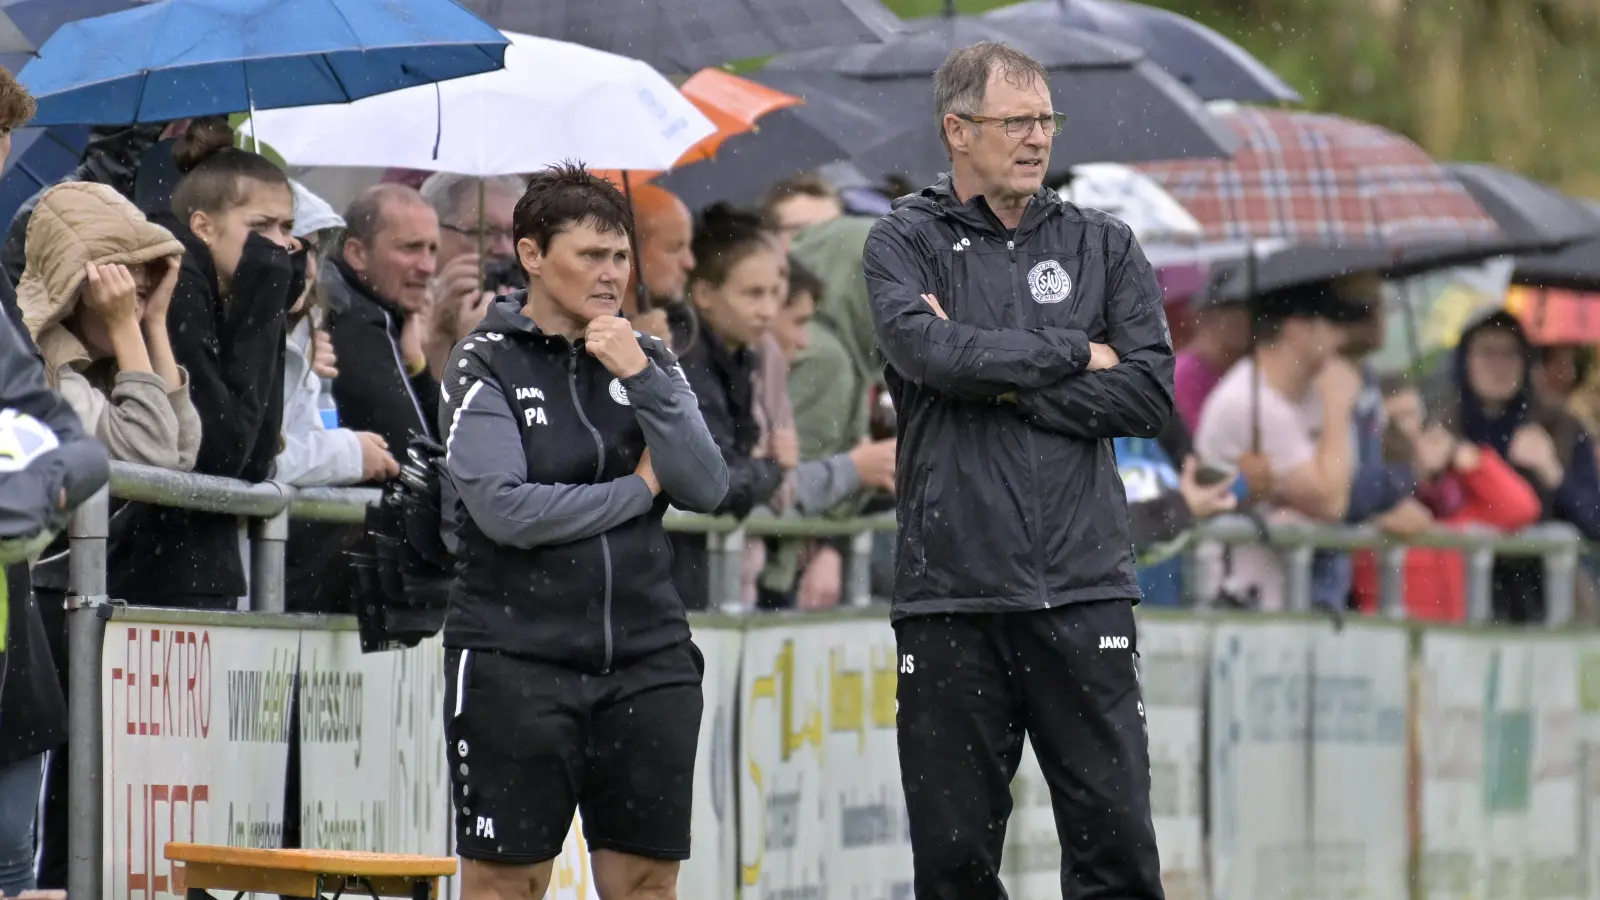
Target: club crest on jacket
x=1049, y=282
x=618, y=392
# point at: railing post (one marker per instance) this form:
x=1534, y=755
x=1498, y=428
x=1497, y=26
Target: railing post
x=268, y=537
x=1297, y=577
x=1560, y=582
x=1480, y=584
x=725, y=575
x=87, y=610
x=1392, y=582
x=858, y=570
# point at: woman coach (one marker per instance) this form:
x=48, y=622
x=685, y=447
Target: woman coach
x=572, y=678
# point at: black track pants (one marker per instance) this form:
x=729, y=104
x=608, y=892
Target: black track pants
x=970, y=687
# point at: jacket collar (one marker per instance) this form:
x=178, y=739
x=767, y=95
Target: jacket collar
x=343, y=284
x=940, y=199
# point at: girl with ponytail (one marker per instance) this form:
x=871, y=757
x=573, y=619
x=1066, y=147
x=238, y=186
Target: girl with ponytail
x=242, y=270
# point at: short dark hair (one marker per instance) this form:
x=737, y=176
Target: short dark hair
x=809, y=184
x=363, y=220
x=16, y=104
x=565, y=195
x=962, y=79
x=216, y=173
x=723, y=238
x=803, y=281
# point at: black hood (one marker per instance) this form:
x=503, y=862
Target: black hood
x=1476, y=424
x=113, y=154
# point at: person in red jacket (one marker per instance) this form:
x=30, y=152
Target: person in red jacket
x=1465, y=485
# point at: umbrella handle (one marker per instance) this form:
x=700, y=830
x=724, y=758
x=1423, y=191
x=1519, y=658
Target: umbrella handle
x=640, y=295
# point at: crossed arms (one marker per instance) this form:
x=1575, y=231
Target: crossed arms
x=1059, y=380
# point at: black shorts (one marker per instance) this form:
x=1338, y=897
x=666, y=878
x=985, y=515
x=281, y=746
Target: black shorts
x=530, y=742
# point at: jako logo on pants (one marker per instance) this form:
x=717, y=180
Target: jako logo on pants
x=1113, y=643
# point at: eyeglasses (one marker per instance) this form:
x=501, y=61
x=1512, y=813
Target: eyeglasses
x=1019, y=127
x=487, y=235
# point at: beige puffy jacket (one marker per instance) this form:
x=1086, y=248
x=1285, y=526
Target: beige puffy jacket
x=137, y=415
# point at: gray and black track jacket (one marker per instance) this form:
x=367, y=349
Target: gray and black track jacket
x=561, y=552
x=1014, y=506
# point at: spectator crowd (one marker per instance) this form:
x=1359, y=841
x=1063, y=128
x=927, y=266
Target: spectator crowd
x=202, y=312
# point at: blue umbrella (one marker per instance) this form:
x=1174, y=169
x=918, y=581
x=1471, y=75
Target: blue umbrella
x=39, y=157
x=26, y=24
x=179, y=58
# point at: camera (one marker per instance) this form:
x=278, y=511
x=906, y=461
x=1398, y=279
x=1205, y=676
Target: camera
x=503, y=275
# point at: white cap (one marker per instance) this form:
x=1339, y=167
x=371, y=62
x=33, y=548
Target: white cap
x=312, y=213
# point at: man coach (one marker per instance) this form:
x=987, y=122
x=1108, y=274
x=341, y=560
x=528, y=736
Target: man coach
x=1022, y=334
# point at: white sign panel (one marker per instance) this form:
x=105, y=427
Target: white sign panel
x=1359, y=809
x=372, y=764
x=1260, y=695
x=1589, y=706
x=1501, y=793
x=822, y=812
x=196, y=725
x=1173, y=657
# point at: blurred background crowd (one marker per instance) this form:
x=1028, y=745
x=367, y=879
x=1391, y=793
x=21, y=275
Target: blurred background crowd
x=259, y=271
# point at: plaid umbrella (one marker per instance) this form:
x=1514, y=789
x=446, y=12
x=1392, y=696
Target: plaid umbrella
x=1311, y=178
x=680, y=36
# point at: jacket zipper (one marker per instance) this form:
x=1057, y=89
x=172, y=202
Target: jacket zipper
x=599, y=470
x=405, y=379
x=1033, y=457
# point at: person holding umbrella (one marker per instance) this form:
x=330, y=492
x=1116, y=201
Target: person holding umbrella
x=1023, y=334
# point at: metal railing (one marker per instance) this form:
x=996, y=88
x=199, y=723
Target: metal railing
x=270, y=506
x=1559, y=544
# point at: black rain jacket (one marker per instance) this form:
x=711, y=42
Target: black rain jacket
x=1007, y=489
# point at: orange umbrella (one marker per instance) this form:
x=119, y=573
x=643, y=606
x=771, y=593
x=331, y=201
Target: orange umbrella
x=1555, y=316
x=732, y=103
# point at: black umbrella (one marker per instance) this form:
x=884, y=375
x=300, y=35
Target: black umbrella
x=1120, y=107
x=1302, y=264
x=1212, y=66
x=784, y=143
x=682, y=36
x=1534, y=216
x=1575, y=268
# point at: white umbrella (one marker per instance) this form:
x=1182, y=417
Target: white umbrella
x=553, y=102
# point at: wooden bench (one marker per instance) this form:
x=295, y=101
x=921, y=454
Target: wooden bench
x=304, y=873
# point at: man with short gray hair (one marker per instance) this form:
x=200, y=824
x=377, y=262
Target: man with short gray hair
x=476, y=256
x=1023, y=334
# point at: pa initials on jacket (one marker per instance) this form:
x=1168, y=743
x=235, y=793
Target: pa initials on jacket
x=1113, y=643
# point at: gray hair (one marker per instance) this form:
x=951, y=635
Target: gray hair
x=963, y=78
x=445, y=191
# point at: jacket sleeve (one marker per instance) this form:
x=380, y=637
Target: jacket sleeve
x=136, y=423
x=1134, y=397
x=961, y=360
x=1497, y=495
x=79, y=464
x=312, y=455
x=1577, y=500
x=822, y=484
x=686, y=459
x=1377, y=488
x=489, y=471
x=232, y=358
